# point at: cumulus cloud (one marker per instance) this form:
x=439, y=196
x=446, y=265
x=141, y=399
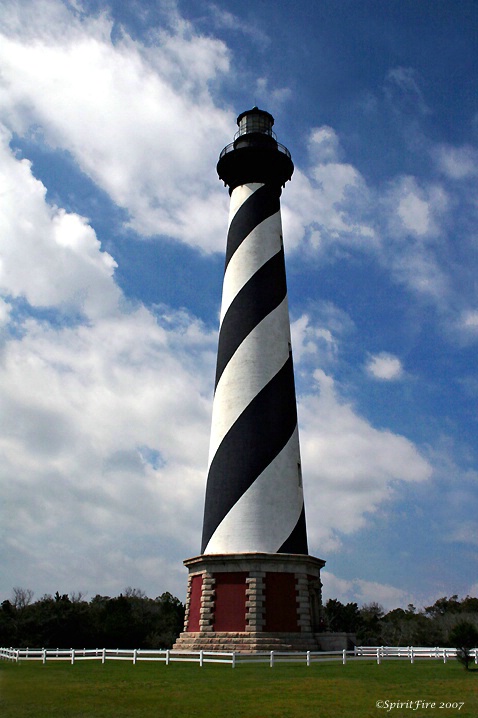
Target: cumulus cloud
x=324, y=145
x=384, y=366
x=317, y=335
x=415, y=209
x=141, y=120
x=104, y=442
x=138, y=119
x=308, y=337
x=362, y=592
x=105, y=430
x=457, y=163
x=470, y=320
x=105, y=421
x=350, y=467
x=412, y=228
x=49, y=257
x=324, y=204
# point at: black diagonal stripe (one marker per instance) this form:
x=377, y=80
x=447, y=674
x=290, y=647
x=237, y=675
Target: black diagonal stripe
x=297, y=540
x=263, y=203
x=264, y=291
x=253, y=441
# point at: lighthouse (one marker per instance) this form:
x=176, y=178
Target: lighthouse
x=254, y=585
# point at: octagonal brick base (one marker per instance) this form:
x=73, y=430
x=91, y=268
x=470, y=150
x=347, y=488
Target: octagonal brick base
x=252, y=602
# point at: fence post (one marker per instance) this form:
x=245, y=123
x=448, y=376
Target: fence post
x=444, y=655
x=135, y=656
x=201, y=658
x=344, y=657
x=44, y=655
x=271, y=663
x=72, y=656
x=233, y=659
x=308, y=658
x=412, y=655
x=378, y=656
x=167, y=657
x=476, y=655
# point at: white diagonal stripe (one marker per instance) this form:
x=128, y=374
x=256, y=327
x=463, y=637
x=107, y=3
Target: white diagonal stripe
x=259, y=246
x=256, y=361
x=268, y=511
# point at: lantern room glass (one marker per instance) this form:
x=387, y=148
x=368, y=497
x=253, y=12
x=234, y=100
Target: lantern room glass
x=252, y=122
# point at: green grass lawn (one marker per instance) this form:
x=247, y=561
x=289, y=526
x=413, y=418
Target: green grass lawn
x=327, y=690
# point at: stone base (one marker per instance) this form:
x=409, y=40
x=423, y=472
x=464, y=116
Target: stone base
x=252, y=602
x=246, y=642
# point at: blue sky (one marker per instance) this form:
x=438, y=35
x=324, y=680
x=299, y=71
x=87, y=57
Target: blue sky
x=113, y=228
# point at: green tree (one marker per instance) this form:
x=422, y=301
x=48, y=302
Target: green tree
x=444, y=606
x=341, y=617
x=464, y=637
x=370, y=631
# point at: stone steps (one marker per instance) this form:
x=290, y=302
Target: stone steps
x=245, y=642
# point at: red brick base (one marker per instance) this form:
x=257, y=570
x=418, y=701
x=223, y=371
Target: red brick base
x=252, y=602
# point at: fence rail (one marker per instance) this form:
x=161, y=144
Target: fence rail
x=410, y=653
x=136, y=655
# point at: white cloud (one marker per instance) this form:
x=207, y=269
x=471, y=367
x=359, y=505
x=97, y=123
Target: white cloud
x=403, y=90
x=139, y=120
x=362, y=592
x=87, y=411
x=307, y=338
x=316, y=335
x=412, y=237
x=221, y=18
x=385, y=366
x=414, y=213
x=457, y=162
x=350, y=468
x=415, y=209
x=104, y=439
x=49, y=256
x=465, y=532
x=324, y=145
x=324, y=204
x=470, y=320
x=104, y=436
x=105, y=422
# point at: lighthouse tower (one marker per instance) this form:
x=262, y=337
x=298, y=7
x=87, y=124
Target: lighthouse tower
x=254, y=586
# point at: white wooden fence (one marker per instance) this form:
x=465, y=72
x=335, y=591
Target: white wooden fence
x=410, y=653
x=377, y=653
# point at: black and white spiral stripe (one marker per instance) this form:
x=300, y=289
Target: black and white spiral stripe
x=254, y=498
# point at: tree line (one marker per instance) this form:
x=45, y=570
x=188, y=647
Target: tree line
x=449, y=622
x=134, y=620
x=68, y=621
